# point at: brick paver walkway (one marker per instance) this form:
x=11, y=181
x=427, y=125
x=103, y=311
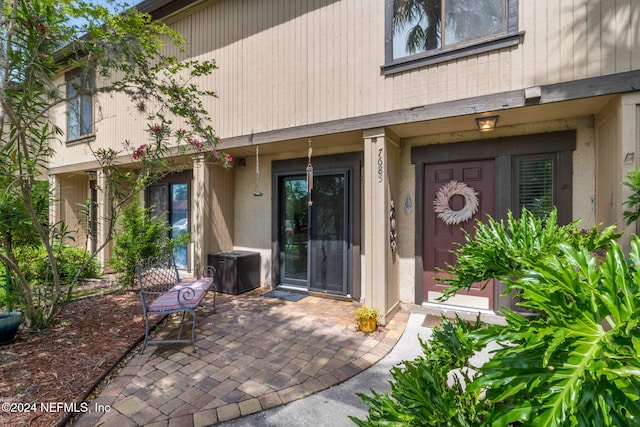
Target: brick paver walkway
x=254, y=353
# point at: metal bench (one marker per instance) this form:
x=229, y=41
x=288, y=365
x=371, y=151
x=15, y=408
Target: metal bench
x=162, y=293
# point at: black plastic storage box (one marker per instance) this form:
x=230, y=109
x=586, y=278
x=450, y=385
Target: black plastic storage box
x=236, y=271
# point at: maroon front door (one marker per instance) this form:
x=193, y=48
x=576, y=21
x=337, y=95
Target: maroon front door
x=440, y=238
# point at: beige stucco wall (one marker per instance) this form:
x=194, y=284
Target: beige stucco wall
x=212, y=214
x=252, y=215
x=617, y=146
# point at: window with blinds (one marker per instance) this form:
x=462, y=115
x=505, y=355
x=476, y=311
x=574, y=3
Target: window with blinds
x=535, y=185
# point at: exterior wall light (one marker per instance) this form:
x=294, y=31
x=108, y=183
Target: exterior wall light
x=486, y=123
x=408, y=205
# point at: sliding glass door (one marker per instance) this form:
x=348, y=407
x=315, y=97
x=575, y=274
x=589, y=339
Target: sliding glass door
x=170, y=201
x=314, y=236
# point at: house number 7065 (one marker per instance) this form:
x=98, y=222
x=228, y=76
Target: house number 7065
x=380, y=165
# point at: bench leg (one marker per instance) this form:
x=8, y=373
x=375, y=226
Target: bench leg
x=193, y=330
x=181, y=322
x=146, y=332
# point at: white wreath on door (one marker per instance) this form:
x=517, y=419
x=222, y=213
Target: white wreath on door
x=445, y=193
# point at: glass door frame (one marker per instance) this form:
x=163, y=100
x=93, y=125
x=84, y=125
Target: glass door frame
x=350, y=162
x=181, y=178
x=292, y=238
x=317, y=264
x=308, y=245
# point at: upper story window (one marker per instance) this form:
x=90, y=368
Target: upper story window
x=79, y=104
x=423, y=32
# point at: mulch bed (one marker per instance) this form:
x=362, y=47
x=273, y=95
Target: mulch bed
x=63, y=365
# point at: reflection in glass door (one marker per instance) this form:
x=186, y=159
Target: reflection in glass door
x=314, y=239
x=294, y=230
x=179, y=220
x=328, y=235
x=171, y=202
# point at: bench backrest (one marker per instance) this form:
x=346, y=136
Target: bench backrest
x=156, y=276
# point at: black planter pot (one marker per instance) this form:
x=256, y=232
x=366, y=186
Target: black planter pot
x=9, y=323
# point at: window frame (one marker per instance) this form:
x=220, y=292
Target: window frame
x=556, y=200
x=348, y=161
x=512, y=37
x=80, y=102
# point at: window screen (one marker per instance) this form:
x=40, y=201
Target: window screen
x=535, y=185
x=79, y=105
x=422, y=26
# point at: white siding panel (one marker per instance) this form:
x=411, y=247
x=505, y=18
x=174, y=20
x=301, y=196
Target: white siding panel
x=287, y=63
x=623, y=32
x=540, y=43
x=594, y=38
x=579, y=39
x=609, y=36
x=553, y=38
x=565, y=19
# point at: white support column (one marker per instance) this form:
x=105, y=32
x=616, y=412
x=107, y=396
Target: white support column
x=104, y=217
x=381, y=151
x=630, y=155
x=200, y=200
x=54, y=203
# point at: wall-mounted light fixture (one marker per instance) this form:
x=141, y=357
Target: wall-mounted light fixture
x=408, y=205
x=629, y=158
x=486, y=123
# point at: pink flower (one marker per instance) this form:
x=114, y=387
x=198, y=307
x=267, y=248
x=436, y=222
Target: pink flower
x=140, y=152
x=229, y=159
x=196, y=144
x=157, y=129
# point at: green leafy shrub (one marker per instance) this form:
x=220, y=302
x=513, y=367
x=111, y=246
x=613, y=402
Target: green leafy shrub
x=34, y=264
x=70, y=259
x=633, y=201
x=503, y=250
x=576, y=362
x=423, y=391
x=141, y=235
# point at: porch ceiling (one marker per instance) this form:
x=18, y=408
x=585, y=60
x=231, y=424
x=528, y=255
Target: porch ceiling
x=510, y=117
x=293, y=145
x=535, y=113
